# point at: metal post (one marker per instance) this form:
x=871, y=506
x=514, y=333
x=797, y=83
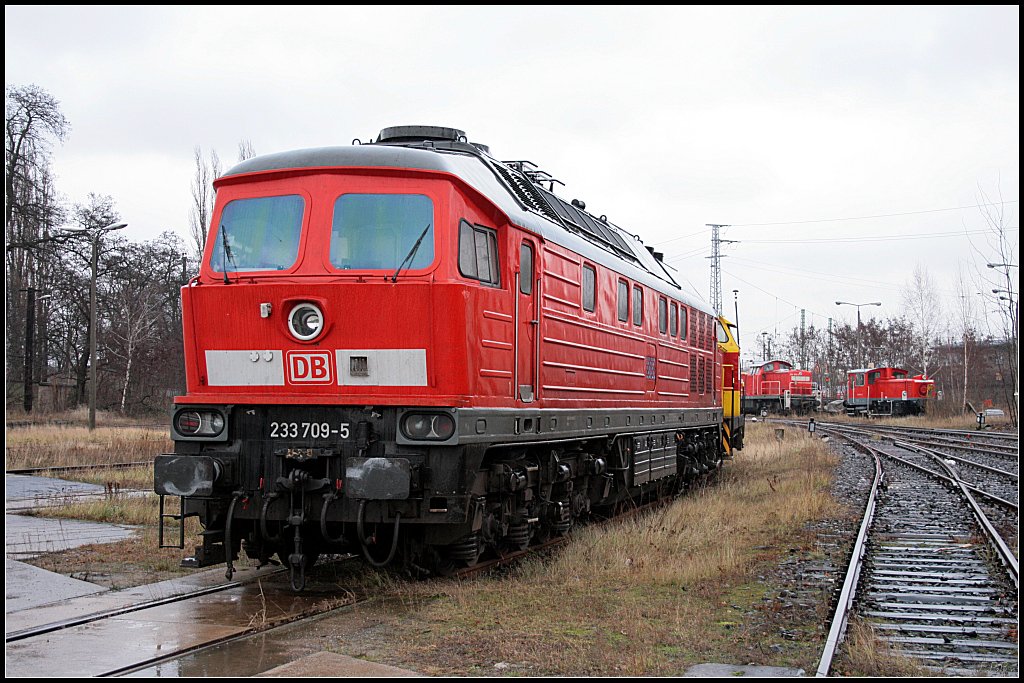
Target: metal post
x=736, y=314
x=92, y=330
x=30, y=329
x=860, y=353
x=860, y=343
x=716, y=272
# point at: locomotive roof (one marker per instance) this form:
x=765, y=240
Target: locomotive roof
x=513, y=191
x=761, y=364
x=884, y=367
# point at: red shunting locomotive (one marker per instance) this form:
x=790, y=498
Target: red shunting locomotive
x=410, y=349
x=886, y=391
x=775, y=387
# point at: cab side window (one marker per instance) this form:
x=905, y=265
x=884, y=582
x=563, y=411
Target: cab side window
x=478, y=253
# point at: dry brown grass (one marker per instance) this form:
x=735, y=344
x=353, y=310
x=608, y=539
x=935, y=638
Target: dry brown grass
x=131, y=562
x=64, y=446
x=929, y=421
x=863, y=654
x=113, y=508
x=646, y=596
x=80, y=417
x=118, y=479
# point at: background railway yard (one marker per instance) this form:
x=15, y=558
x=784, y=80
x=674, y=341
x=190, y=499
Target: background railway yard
x=745, y=570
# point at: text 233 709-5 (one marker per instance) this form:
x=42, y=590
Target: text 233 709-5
x=308, y=430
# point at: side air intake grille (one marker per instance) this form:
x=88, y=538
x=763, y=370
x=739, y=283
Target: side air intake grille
x=526, y=191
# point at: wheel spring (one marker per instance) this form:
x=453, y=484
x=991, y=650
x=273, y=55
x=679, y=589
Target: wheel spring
x=518, y=535
x=563, y=519
x=466, y=549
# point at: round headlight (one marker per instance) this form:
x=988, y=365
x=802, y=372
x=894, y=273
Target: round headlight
x=305, y=322
x=189, y=422
x=418, y=426
x=442, y=427
x=430, y=427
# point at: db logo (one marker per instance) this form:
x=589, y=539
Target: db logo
x=309, y=367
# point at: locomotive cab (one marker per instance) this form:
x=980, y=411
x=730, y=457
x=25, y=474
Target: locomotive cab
x=732, y=387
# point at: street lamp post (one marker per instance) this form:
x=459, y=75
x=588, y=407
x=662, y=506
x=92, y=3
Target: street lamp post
x=95, y=233
x=860, y=354
x=736, y=313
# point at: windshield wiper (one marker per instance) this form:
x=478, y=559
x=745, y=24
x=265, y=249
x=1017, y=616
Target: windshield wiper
x=412, y=253
x=227, y=253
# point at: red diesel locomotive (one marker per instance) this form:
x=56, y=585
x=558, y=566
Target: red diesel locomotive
x=886, y=391
x=776, y=387
x=411, y=349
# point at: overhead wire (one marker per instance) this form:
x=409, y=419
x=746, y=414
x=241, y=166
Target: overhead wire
x=880, y=215
x=881, y=238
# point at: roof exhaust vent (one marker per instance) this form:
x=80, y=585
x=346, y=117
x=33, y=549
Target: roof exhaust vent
x=421, y=133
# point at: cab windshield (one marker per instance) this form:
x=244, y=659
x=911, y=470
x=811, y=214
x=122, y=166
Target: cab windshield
x=380, y=231
x=261, y=233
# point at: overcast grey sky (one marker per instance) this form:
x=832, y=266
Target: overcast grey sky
x=665, y=119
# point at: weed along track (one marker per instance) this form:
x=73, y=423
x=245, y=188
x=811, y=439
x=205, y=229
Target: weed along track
x=930, y=574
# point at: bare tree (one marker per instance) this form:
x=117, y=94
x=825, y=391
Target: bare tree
x=203, y=196
x=33, y=119
x=922, y=308
x=999, y=281
x=33, y=122
x=965, y=314
x=245, y=150
x=134, y=309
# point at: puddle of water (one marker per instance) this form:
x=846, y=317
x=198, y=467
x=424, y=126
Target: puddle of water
x=244, y=657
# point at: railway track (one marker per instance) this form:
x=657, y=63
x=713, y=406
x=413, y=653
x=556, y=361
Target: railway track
x=953, y=437
x=146, y=632
x=930, y=572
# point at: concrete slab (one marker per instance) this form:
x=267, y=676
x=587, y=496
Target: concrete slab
x=733, y=670
x=78, y=607
x=22, y=491
x=334, y=664
x=26, y=537
x=26, y=586
x=109, y=645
